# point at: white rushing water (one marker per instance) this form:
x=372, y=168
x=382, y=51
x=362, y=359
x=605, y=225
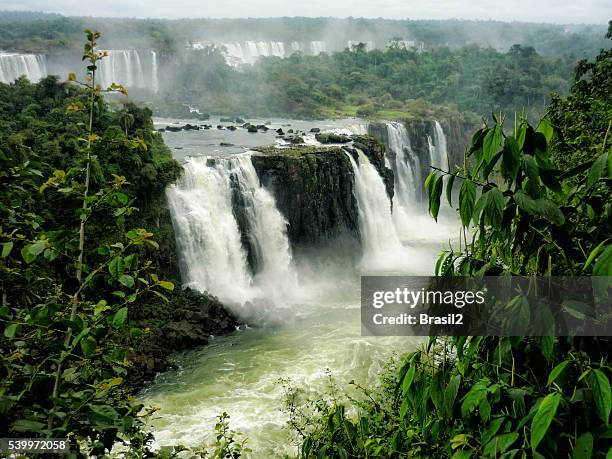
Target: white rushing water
x=15, y=65
x=248, y=52
x=208, y=235
x=382, y=249
x=314, y=298
x=438, y=152
x=129, y=67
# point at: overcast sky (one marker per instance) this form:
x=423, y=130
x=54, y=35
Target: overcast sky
x=556, y=11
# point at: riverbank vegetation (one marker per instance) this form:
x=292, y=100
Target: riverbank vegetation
x=536, y=200
x=85, y=279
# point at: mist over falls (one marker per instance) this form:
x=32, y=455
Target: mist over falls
x=241, y=219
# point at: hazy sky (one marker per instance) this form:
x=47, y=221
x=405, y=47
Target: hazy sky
x=557, y=11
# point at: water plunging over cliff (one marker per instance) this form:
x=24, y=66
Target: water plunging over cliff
x=213, y=256
x=14, y=65
x=131, y=68
x=438, y=152
x=382, y=249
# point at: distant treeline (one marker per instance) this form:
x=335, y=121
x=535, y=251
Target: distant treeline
x=41, y=32
x=395, y=83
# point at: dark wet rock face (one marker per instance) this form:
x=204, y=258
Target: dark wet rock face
x=314, y=187
x=314, y=192
x=186, y=323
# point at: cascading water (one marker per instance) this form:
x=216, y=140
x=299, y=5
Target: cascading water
x=155, y=77
x=406, y=167
x=407, y=178
x=15, y=65
x=382, y=249
x=129, y=68
x=438, y=153
x=213, y=257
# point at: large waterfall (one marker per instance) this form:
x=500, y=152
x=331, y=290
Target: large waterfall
x=14, y=65
x=129, y=67
x=208, y=233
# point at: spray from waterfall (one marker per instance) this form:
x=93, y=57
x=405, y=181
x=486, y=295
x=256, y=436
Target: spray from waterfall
x=212, y=252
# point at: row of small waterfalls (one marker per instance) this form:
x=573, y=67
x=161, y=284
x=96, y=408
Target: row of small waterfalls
x=132, y=68
x=138, y=68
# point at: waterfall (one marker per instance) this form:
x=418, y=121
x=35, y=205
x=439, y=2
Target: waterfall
x=154, y=75
x=382, y=248
x=406, y=167
x=15, y=65
x=438, y=153
x=317, y=47
x=213, y=256
x=127, y=67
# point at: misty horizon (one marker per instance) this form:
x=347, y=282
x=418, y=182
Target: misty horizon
x=593, y=12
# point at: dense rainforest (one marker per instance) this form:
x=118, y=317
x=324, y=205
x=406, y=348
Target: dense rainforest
x=88, y=265
x=379, y=84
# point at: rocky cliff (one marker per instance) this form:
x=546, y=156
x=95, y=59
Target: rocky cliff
x=313, y=187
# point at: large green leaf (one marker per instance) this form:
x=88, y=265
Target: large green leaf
x=467, y=198
x=597, y=170
x=116, y=267
x=543, y=418
x=603, y=265
x=495, y=206
x=88, y=346
x=556, y=372
x=510, y=159
x=474, y=396
x=545, y=127
x=600, y=386
x=530, y=166
x=525, y=202
x=120, y=317
x=492, y=142
x=126, y=280
x=434, y=196
x=6, y=249
x=549, y=210
x=449, y=189
x=584, y=447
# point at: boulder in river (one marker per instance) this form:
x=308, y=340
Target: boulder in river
x=174, y=128
x=279, y=131
x=293, y=139
x=232, y=128
x=239, y=120
x=315, y=129
x=252, y=128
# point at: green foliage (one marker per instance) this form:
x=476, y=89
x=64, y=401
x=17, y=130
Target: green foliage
x=67, y=292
